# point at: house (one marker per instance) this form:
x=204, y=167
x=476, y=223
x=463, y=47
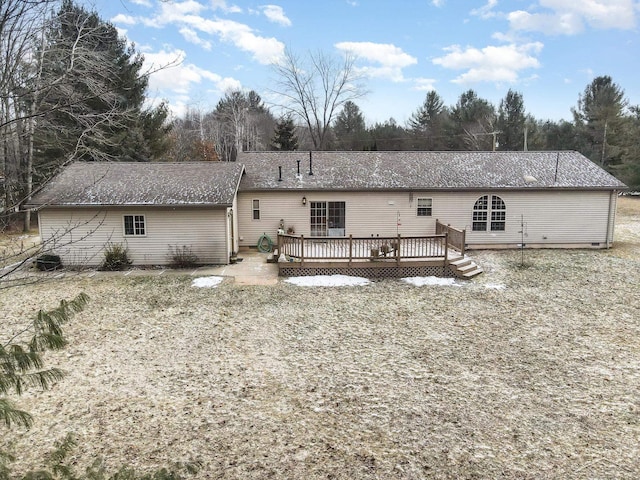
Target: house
x=501, y=199
x=153, y=209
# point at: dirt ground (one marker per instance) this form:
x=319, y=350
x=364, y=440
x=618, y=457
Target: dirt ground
x=531, y=370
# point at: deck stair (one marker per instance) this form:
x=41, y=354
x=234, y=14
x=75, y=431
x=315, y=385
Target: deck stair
x=465, y=268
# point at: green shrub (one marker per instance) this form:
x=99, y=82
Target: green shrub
x=116, y=257
x=182, y=257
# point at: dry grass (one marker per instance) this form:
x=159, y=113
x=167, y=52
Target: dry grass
x=526, y=372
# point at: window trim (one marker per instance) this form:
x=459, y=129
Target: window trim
x=255, y=210
x=428, y=209
x=136, y=218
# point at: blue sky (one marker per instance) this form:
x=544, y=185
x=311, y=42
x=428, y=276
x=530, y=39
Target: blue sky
x=548, y=50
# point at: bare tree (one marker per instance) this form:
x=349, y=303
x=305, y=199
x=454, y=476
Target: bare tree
x=314, y=92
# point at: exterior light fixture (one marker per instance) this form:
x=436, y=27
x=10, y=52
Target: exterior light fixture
x=304, y=200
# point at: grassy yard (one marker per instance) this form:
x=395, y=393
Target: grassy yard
x=529, y=371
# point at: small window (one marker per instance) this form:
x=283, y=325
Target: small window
x=134, y=225
x=424, y=207
x=256, y=209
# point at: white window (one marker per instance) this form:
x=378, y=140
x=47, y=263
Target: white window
x=134, y=225
x=489, y=216
x=424, y=207
x=256, y=209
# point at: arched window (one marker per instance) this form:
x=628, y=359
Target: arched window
x=487, y=215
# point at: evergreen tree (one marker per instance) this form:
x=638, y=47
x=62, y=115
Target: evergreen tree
x=21, y=364
x=629, y=168
x=285, y=136
x=349, y=128
x=511, y=122
x=428, y=123
x=389, y=135
x=93, y=106
x=598, y=118
x=472, y=123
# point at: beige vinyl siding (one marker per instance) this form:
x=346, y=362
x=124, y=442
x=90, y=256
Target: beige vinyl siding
x=566, y=218
x=366, y=214
x=545, y=218
x=80, y=235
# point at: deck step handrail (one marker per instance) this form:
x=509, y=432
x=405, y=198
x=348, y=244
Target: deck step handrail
x=457, y=238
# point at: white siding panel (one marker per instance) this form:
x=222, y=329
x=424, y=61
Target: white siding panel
x=80, y=235
x=549, y=218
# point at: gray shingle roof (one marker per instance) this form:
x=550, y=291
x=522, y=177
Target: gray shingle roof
x=131, y=183
x=423, y=170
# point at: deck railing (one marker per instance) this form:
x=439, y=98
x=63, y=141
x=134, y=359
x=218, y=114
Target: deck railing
x=456, y=238
x=363, y=248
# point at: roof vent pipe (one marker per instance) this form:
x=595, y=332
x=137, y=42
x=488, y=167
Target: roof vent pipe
x=310, y=163
x=298, y=167
x=280, y=173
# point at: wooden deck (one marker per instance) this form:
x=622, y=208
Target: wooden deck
x=431, y=255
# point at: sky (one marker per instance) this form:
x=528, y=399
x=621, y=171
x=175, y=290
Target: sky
x=548, y=50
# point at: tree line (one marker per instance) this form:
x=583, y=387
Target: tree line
x=72, y=89
x=604, y=128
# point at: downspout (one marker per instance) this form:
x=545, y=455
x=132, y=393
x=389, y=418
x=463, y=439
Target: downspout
x=233, y=241
x=610, y=216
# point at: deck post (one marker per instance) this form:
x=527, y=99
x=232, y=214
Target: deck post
x=280, y=241
x=446, y=248
x=464, y=241
x=350, y=249
x=302, y=250
x=398, y=251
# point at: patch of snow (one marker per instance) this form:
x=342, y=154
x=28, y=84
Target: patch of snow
x=495, y=286
x=328, y=281
x=422, y=281
x=206, y=282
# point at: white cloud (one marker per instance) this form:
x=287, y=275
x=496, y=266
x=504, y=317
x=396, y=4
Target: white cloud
x=437, y=3
x=275, y=14
x=124, y=19
x=569, y=17
x=173, y=76
x=550, y=24
x=144, y=3
x=390, y=59
x=191, y=36
x=222, y=5
x=490, y=64
x=263, y=49
x=486, y=11
x=424, y=84
x=173, y=12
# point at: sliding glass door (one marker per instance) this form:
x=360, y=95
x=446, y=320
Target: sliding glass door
x=327, y=219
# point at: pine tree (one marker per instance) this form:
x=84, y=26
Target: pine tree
x=21, y=363
x=349, y=128
x=599, y=120
x=285, y=137
x=510, y=122
x=428, y=123
x=93, y=107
